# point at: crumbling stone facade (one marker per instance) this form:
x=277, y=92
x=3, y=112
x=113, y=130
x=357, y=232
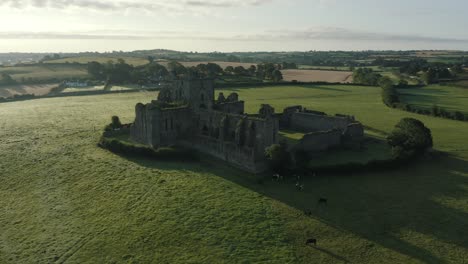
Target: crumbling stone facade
x=188, y=115
x=323, y=132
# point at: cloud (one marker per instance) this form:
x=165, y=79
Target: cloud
x=145, y=5
x=311, y=34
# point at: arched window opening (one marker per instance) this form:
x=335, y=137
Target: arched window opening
x=205, y=130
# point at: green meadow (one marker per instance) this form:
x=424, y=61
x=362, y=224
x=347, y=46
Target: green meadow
x=65, y=200
x=451, y=98
x=39, y=72
x=135, y=61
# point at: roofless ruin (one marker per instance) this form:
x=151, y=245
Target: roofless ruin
x=187, y=114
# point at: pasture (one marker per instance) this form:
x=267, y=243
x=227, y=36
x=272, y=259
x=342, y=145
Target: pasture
x=65, y=200
x=36, y=89
x=39, y=72
x=135, y=61
x=450, y=98
x=318, y=76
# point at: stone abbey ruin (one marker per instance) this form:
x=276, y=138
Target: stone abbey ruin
x=187, y=114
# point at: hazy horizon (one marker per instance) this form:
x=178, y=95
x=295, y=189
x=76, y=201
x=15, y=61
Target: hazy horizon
x=228, y=26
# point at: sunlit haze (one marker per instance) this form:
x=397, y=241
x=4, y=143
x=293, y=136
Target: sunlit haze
x=236, y=25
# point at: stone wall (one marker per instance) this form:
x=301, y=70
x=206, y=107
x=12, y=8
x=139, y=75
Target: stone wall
x=199, y=93
x=320, y=141
x=230, y=107
x=307, y=122
x=239, y=156
x=157, y=127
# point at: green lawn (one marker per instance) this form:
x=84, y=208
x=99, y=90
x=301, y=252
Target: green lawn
x=65, y=200
x=451, y=98
x=292, y=137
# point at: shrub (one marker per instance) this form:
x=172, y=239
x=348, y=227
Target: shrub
x=278, y=157
x=165, y=154
x=410, y=137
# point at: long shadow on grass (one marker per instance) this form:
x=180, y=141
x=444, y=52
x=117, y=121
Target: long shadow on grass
x=308, y=86
x=375, y=206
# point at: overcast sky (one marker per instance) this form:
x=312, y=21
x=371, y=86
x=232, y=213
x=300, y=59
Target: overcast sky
x=235, y=25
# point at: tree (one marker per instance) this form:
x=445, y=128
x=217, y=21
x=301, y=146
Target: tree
x=176, y=68
x=150, y=59
x=277, y=76
x=213, y=69
x=278, y=157
x=229, y=69
x=252, y=70
x=116, y=122
x=96, y=70
x=239, y=70
x=7, y=79
x=410, y=137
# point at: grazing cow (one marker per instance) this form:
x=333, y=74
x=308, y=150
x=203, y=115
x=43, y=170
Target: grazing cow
x=322, y=201
x=299, y=187
x=311, y=241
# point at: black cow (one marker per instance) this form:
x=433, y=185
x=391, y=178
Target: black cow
x=311, y=241
x=322, y=200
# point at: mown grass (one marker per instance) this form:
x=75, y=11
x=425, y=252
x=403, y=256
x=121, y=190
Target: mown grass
x=63, y=199
x=450, y=98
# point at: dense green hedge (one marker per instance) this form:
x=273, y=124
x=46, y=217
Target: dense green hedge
x=164, y=154
x=391, y=98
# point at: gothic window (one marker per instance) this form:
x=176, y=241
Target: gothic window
x=205, y=131
x=252, y=134
x=165, y=124
x=172, y=124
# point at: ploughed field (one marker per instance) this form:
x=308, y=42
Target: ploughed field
x=64, y=200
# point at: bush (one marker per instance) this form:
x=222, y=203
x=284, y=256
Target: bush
x=279, y=158
x=164, y=154
x=410, y=137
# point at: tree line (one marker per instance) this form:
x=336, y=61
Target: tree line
x=121, y=72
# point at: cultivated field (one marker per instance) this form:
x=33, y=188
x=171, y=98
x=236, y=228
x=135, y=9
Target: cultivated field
x=450, y=98
x=135, y=61
x=142, y=61
x=318, y=76
x=45, y=72
x=65, y=200
x=36, y=89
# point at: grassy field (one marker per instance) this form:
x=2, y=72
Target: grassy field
x=65, y=200
x=45, y=72
x=450, y=98
x=83, y=89
x=36, y=89
x=142, y=61
x=135, y=61
x=317, y=76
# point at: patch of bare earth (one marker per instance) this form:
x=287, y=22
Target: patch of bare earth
x=36, y=89
x=318, y=76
